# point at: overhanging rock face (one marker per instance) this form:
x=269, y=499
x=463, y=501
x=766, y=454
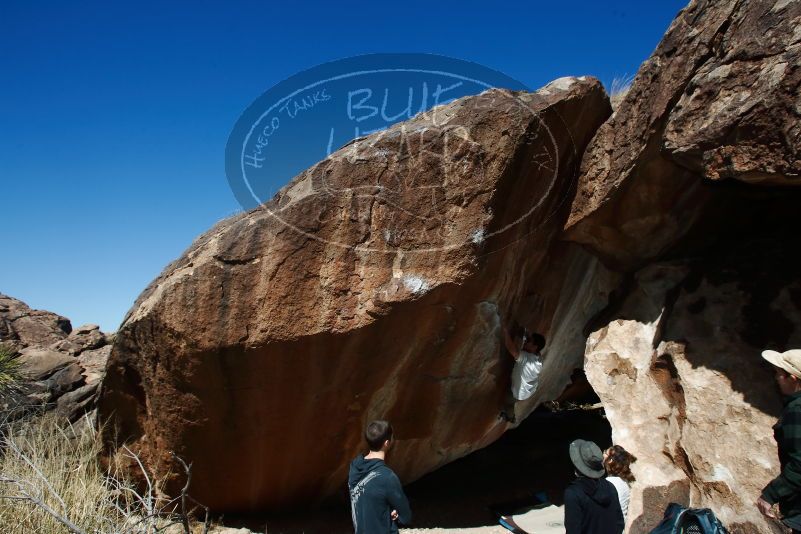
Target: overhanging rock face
x=371, y=286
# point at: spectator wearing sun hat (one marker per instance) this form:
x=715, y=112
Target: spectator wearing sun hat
x=784, y=491
x=591, y=501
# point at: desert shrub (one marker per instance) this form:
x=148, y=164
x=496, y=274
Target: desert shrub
x=9, y=371
x=51, y=481
x=11, y=388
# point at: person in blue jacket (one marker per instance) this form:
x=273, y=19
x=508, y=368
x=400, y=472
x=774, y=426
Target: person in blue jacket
x=377, y=500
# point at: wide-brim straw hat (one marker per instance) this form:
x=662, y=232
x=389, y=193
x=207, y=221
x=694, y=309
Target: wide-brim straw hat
x=587, y=458
x=789, y=360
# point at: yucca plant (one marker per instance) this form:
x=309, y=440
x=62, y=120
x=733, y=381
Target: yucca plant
x=9, y=372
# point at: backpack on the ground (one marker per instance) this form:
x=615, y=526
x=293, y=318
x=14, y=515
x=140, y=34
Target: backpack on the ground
x=681, y=520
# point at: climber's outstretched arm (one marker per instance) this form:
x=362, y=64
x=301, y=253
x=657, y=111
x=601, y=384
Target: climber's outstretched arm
x=513, y=349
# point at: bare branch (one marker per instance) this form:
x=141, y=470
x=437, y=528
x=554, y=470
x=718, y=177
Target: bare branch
x=149, y=502
x=185, y=496
x=188, y=470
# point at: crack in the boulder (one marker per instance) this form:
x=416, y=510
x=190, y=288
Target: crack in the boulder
x=236, y=261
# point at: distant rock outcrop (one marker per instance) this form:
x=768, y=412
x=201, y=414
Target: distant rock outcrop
x=690, y=191
x=22, y=327
x=61, y=367
x=372, y=286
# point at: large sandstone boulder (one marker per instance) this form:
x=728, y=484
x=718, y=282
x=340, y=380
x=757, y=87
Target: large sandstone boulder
x=372, y=286
x=688, y=192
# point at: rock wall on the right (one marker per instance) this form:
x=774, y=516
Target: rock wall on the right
x=677, y=366
x=690, y=193
x=717, y=102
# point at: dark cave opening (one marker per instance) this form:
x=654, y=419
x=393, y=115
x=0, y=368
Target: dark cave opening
x=507, y=475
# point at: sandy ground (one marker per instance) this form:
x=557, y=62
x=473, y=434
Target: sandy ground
x=476, y=530
x=548, y=520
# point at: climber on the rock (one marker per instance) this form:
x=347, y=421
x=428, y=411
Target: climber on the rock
x=525, y=347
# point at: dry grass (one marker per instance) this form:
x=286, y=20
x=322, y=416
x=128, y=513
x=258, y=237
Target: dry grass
x=52, y=482
x=619, y=90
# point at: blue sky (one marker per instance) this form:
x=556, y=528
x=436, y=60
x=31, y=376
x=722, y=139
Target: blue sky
x=114, y=116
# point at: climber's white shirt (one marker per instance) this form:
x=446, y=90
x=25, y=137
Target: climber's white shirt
x=525, y=375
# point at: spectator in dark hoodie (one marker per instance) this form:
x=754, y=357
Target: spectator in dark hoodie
x=377, y=501
x=591, y=502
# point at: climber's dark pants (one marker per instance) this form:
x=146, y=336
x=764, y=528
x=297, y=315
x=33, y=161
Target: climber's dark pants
x=509, y=404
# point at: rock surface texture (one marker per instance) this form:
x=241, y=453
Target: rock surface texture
x=372, y=286
x=61, y=367
x=21, y=327
x=689, y=191
x=719, y=98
